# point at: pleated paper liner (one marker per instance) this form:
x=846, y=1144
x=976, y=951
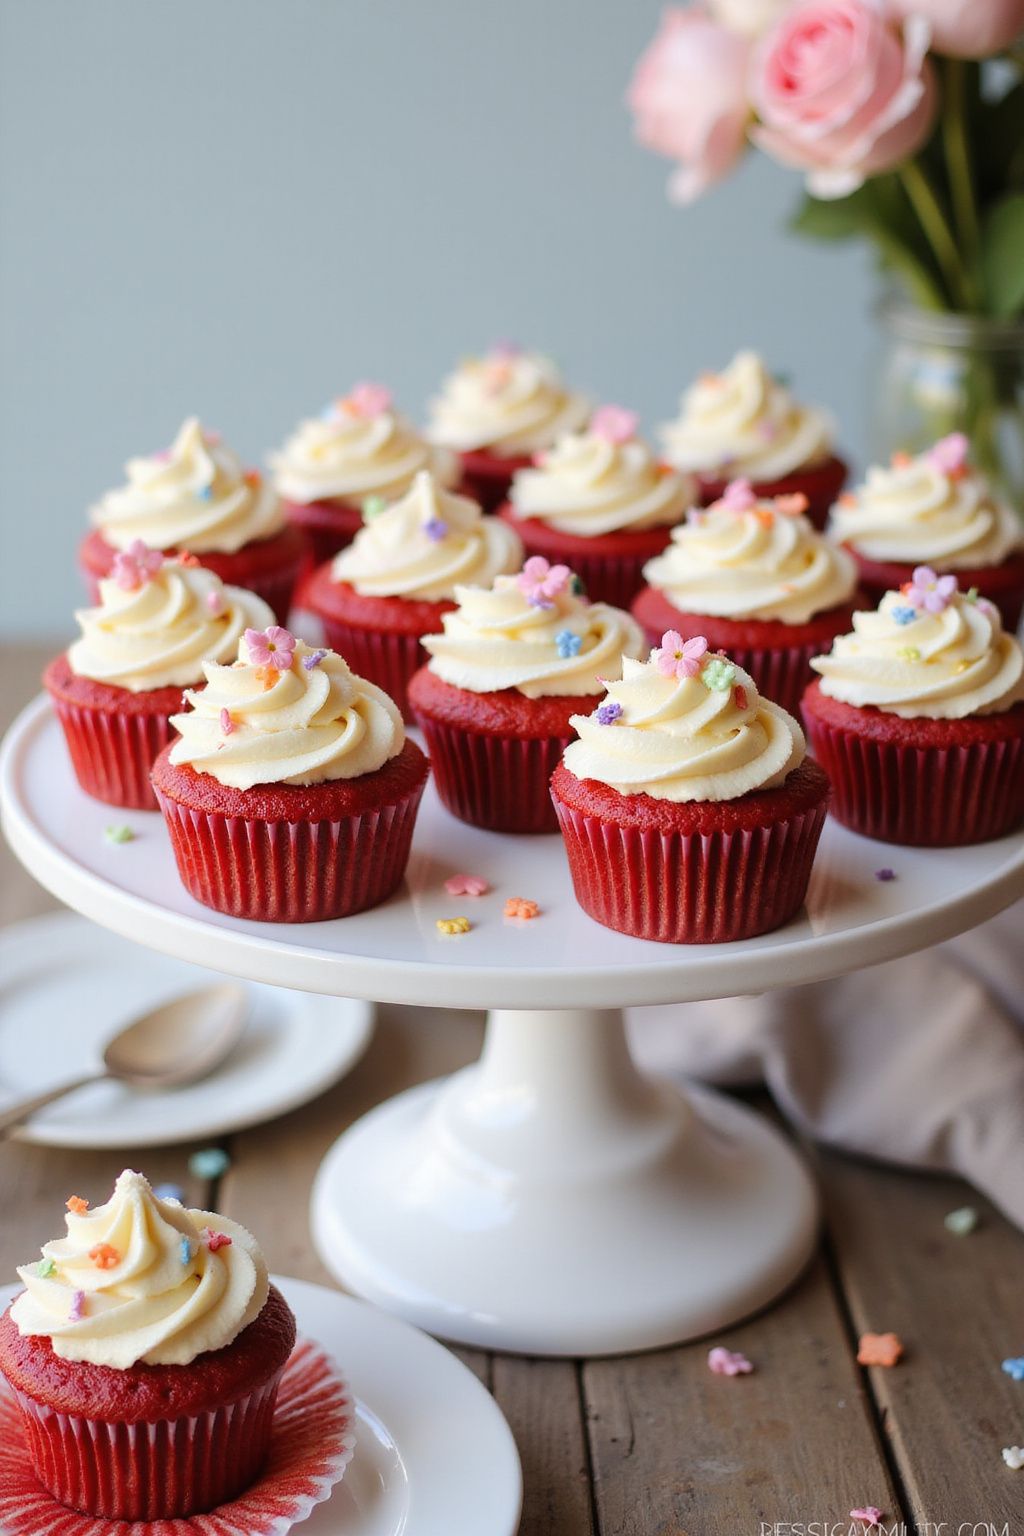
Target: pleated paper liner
x=112, y=754
x=493, y=781
x=385, y=657
x=311, y=1444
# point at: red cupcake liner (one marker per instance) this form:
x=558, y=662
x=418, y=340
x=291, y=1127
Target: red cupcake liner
x=930, y=797
x=610, y=565
x=291, y=871
x=327, y=526
x=385, y=657
x=690, y=888
x=310, y=1443
x=486, y=477
x=493, y=781
x=112, y=754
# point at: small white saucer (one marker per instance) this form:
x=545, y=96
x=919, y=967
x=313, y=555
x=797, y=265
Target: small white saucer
x=67, y=985
x=434, y=1456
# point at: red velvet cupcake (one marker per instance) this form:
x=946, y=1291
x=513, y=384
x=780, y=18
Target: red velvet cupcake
x=918, y=719
x=689, y=810
x=358, y=450
x=496, y=412
x=145, y=1355
x=599, y=502
x=759, y=582
x=743, y=423
x=194, y=497
x=939, y=512
x=292, y=792
x=393, y=585
x=115, y=690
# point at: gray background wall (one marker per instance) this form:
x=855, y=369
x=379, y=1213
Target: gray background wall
x=238, y=207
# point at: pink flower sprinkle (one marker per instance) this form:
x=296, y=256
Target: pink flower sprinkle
x=679, y=658
x=738, y=496
x=614, y=423
x=870, y=1514
x=541, y=582
x=215, y=602
x=215, y=1240
x=136, y=565
x=273, y=647
x=949, y=454
x=227, y=725
x=77, y=1308
x=931, y=592
x=370, y=399
x=728, y=1362
x=466, y=885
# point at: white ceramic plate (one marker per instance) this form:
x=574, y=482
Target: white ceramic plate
x=67, y=985
x=434, y=1456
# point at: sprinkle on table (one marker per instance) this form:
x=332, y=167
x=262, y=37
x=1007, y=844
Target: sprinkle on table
x=885, y=874
x=210, y=1163
x=879, y=1349
x=466, y=885
x=962, y=1221
x=119, y=833
x=521, y=906
x=453, y=925
x=869, y=1513
x=76, y=1205
x=728, y=1362
x=1014, y=1367
x=104, y=1256
x=1013, y=1455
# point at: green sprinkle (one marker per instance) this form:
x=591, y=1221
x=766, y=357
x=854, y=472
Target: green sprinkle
x=719, y=675
x=373, y=506
x=209, y=1164
x=119, y=834
x=577, y=587
x=971, y=595
x=909, y=653
x=961, y=1222
x=45, y=1268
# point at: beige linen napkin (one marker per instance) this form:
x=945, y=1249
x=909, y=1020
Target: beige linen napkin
x=920, y=1061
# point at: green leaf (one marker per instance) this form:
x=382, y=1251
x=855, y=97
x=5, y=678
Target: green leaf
x=998, y=143
x=1002, y=255
x=878, y=211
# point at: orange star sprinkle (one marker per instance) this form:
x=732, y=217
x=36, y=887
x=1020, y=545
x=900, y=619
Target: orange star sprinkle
x=900, y=460
x=77, y=1205
x=252, y=477
x=764, y=516
x=521, y=906
x=792, y=506
x=879, y=1349
x=186, y=557
x=105, y=1256
x=847, y=499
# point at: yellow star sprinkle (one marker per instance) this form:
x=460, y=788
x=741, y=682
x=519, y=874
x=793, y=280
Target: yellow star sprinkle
x=453, y=925
x=909, y=653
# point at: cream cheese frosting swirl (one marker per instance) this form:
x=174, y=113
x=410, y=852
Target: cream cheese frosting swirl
x=158, y=633
x=704, y=736
x=358, y=447
x=286, y=714
x=590, y=484
x=427, y=544
x=142, y=1279
x=943, y=664
x=744, y=422
x=502, y=637
x=753, y=559
x=931, y=508
x=193, y=496
x=512, y=402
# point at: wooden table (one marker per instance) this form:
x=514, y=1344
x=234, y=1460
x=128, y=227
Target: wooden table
x=654, y=1445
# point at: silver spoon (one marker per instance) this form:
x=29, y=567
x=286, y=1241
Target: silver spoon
x=178, y=1042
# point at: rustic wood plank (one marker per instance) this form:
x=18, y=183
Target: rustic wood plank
x=958, y=1304
x=541, y=1399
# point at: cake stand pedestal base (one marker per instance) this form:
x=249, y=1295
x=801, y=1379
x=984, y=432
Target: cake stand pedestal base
x=551, y=1200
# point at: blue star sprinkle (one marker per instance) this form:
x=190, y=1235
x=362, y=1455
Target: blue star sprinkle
x=568, y=644
x=904, y=615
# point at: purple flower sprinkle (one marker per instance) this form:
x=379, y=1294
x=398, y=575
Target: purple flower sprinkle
x=313, y=659
x=436, y=529
x=885, y=875
x=609, y=713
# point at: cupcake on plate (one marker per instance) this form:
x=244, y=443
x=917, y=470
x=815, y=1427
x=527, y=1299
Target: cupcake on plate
x=195, y=497
x=115, y=689
x=359, y=447
x=918, y=718
x=756, y=579
x=689, y=809
x=291, y=793
x=397, y=579
x=600, y=502
x=515, y=663
x=744, y=424
x=497, y=411
x=145, y=1354
x=937, y=510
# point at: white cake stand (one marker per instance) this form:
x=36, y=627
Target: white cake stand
x=549, y=1199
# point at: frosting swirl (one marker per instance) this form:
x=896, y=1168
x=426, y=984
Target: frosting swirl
x=502, y=637
x=589, y=484
x=753, y=560
x=425, y=545
x=511, y=402
x=945, y=664
x=194, y=496
x=139, y=1279
x=932, y=508
x=744, y=422
x=683, y=735
x=358, y=447
x=299, y=717
x=157, y=634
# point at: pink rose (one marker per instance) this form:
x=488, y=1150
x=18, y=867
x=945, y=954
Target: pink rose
x=751, y=17
x=967, y=29
x=689, y=98
x=840, y=93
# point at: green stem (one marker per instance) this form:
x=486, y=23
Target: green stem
x=958, y=165
x=933, y=221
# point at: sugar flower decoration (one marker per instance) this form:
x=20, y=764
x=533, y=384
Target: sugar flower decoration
x=368, y=400
x=436, y=529
x=541, y=582
x=930, y=592
x=728, y=1362
x=273, y=647
x=568, y=644
x=949, y=454
x=373, y=506
x=608, y=713
x=794, y=505
x=614, y=423
x=738, y=496
x=313, y=660
x=466, y=885
x=215, y=1240
x=719, y=675
x=136, y=565
x=904, y=614
x=679, y=658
